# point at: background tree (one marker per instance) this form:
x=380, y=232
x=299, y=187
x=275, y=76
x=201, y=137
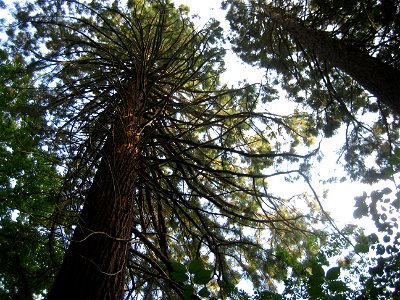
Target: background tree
x=311, y=45
x=166, y=169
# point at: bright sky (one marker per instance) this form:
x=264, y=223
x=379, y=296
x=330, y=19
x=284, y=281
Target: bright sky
x=340, y=197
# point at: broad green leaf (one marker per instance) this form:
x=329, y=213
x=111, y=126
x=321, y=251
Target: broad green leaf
x=195, y=266
x=315, y=291
x=204, y=292
x=178, y=267
x=395, y=159
x=380, y=249
x=333, y=273
x=179, y=276
x=361, y=211
x=361, y=248
x=317, y=270
x=188, y=291
x=373, y=238
x=337, y=286
x=202, y=277
x=388, y=172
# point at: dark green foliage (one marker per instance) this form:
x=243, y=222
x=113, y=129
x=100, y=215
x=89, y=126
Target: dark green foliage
x=29, y=187
x=195, y=277
x=25, y=265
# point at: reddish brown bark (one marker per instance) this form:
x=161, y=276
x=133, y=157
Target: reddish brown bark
x=380, y=79
x=94, y=264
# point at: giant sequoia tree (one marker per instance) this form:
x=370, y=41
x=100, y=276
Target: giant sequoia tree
x=164, y=166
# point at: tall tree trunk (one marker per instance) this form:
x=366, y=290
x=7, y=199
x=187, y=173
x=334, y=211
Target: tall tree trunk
x=94, y=264
x=378, y=78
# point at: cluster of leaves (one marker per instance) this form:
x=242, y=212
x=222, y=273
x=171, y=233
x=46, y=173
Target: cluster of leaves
x=192, y=275
x=371, y=269
x=382, y=207
x=313, y=277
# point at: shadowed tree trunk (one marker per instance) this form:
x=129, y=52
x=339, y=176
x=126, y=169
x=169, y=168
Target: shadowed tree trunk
x=380, y=79
x=95, y=262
